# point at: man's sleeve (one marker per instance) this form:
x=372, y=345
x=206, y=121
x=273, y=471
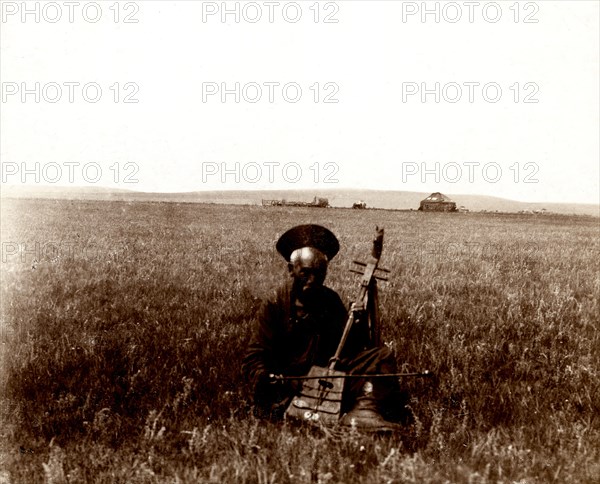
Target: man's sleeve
x=258, y=360
x=358, y=338
x=338, y=315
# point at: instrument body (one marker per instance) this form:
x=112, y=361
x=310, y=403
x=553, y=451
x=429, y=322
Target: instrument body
x=320, y=399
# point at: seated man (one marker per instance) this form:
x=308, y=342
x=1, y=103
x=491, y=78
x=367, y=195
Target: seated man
x=301, y=326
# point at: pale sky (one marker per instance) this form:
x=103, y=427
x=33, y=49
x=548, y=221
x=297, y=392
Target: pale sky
x=374, y=61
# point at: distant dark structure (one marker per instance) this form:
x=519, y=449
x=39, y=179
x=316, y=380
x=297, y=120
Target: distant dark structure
x=359, y=205
x=437, y=202
x=317, y=202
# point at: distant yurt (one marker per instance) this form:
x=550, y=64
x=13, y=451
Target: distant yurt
x=437, y=202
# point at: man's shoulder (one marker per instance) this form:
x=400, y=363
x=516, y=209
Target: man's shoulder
x=278, y=296
x=280, y=293
x=331, y=299
x=331, y=294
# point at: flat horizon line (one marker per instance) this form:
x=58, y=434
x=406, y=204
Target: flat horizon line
x=106, y=189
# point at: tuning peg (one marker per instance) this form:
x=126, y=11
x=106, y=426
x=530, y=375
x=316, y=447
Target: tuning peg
x=362, y=264
x=379, y=278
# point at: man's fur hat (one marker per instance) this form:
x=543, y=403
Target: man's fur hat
x=308, y=235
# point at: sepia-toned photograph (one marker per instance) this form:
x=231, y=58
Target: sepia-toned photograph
x=312, y=241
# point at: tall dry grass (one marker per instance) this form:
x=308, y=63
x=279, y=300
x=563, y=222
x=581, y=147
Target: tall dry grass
x=122, y=338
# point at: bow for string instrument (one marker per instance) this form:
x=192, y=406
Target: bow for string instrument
x=320, y=399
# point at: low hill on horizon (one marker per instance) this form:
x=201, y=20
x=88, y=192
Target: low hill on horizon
x=338, y=198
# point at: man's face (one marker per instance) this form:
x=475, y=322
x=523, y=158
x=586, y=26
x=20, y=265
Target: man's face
x=308, y=267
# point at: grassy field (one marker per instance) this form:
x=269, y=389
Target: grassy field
x=123, y=327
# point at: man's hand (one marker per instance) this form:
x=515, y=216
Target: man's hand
x=266, y=379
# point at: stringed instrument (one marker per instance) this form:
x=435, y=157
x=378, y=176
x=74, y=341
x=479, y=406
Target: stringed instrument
x=320, y=398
